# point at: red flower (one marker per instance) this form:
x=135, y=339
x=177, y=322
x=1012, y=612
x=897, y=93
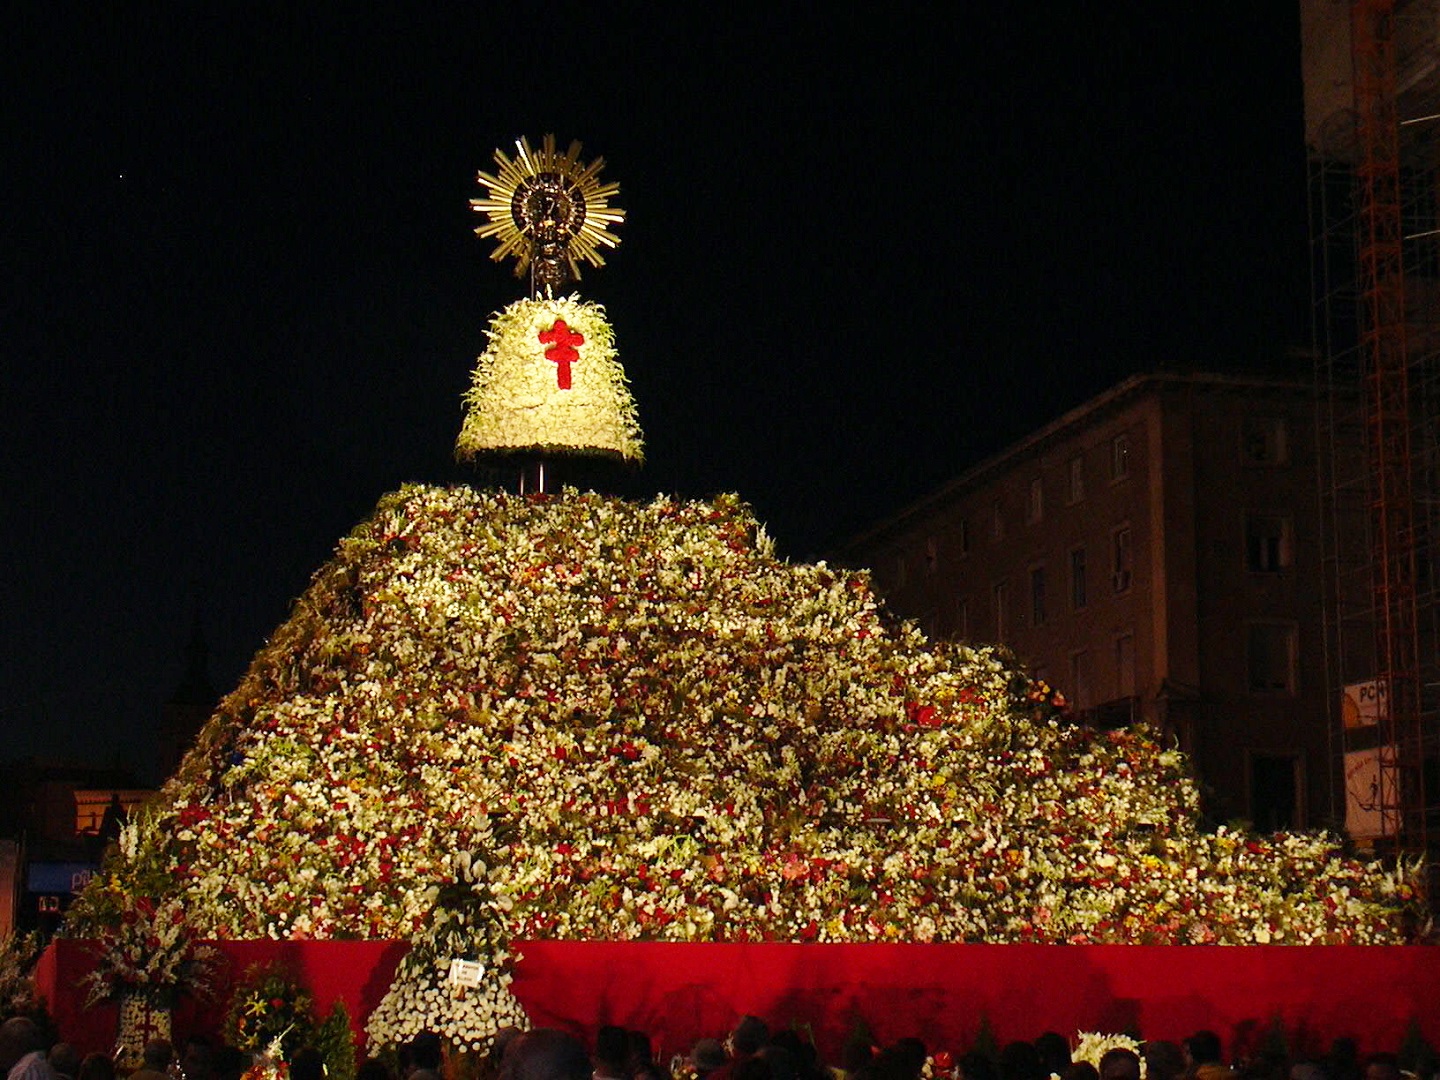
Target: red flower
x=924, y=715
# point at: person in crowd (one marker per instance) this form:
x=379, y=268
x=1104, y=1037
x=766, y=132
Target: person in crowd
x=1382, y=1067
x=896, y=1063
x=64, y=1061
x=426, y=1057
x=230, y=1062
x=1021, y=1061
x=197, y=1058
x=1308, y=1070
x=1054, y=1053
x=545, y=1054
x=1080, y=1070
x=804, y=1060
x=96, y=1067
x=976, y=1066
x=639, y=1055
x=1201, y=1050
x=706, y=1056
x=1163, y=1060
x=22, y=1050
x=749, y=1035
x=308, y=1064
x=154, y=1061
x=1120, y=1064
x=373, y=1069
x=911, y=1055
x=612, y=1048
x=857, y=1055
x=1343, y=1061
x=778, y=1061
x=495, y=1056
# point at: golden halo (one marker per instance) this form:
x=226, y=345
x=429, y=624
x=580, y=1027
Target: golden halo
x=542, y=203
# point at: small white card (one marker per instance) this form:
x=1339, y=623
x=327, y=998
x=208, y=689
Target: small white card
x=466, y=972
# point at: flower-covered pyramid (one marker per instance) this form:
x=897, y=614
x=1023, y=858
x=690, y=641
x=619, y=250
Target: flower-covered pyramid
x=638, y=722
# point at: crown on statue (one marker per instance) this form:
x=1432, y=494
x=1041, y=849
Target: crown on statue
x=548, y=210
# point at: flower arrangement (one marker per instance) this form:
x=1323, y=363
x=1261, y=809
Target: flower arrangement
x=648, y=726
x=18, y=953
x=150, y=951
x=466, y=924
x=550, y=383
x=271, y=1013
x=270, y=1063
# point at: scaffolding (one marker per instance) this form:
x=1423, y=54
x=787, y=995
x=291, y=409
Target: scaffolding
x=1374, y=169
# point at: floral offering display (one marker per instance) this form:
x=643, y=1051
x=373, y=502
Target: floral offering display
x=467, y=925
x=550, y=383
x=643, y=724
x=18, y=953
x=150, y=952
x=271, y=1013
x=270, y=1063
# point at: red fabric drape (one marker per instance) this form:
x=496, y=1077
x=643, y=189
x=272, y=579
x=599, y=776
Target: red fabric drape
x=678, y=992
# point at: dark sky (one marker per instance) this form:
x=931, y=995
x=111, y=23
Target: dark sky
x=240, y=296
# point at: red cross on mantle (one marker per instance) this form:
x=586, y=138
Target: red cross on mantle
x=562, y=341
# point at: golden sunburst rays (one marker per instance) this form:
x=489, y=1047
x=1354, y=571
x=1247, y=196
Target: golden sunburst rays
x=549, y=210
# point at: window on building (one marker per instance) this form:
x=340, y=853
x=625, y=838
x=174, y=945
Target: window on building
x=1268, y=542
x=1076, y=489
x=1077, y=578
x=1270, y=657
x=998, y=596
x=1035, y=505
x=1263, y=440
x=1122, y=559
x=1080, y=680
x=997, y=522
x=1275, y=787
x=1120, y=457
x=962, y=537
x=1125, y=665
x=932, y=555
x=1037, y=596
x=962, y=618
x=902, y=572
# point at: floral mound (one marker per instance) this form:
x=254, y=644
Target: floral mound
x=637, y=722
x=550, y=383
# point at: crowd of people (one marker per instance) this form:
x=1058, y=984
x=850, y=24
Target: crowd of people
x=751, y=1051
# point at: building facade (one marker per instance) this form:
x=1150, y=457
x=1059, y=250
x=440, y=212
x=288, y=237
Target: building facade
x=1152, y=554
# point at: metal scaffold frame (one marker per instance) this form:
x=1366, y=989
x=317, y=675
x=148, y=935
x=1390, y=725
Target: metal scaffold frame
x=1375, y=245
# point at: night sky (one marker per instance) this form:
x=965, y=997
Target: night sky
x=240, y=297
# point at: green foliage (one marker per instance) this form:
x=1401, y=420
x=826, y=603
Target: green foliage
x=336, y=1043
